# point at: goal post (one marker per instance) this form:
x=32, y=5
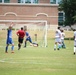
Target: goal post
x=38, y=27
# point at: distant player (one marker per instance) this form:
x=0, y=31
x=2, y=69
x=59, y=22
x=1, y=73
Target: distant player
x=9, y=40
x=74, y=42
x=20, y=34
x=57, y=39
x=62, y=38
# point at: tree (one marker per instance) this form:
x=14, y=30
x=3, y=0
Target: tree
x=69, y=8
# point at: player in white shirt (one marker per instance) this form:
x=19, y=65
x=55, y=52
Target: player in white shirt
x=57, y=38
x=62, y=38
x=74, y=42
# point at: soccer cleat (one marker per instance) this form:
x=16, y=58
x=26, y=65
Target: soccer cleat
x=12, y=52
x=54, y=49
x=74, y=53
x=24, y=46
x=58, y=49
x=6, y=52
x=19, y=48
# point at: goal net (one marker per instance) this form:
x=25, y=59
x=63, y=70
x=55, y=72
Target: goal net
x=38, y=31
x=36, y=28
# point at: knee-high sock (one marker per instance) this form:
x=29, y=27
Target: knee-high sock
x=12, y=48
x=25, y=44
x=19, y=45
x=59, y=45
x=55, y=46
x=6, y=49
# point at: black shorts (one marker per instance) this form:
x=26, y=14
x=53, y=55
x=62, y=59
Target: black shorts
x=20, y=40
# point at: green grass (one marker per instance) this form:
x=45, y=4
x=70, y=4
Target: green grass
x=38, y=60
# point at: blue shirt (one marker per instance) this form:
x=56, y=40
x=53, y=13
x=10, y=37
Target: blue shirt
x=28, y=38
x=9, y=34
x=27, y=34
x=9, y=37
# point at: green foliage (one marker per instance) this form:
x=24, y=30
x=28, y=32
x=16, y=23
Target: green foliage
x=69, y=7
x=74, y=18
x=60, y=23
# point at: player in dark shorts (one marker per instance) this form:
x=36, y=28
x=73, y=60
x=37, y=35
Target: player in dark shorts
x=20, y=34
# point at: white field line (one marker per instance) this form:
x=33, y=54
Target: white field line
x=32, y=62
x=24, y=62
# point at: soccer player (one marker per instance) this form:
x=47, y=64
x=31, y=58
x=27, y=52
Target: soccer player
x=9, y=39
x=28, y=38
x=62, y=38
x=57, y=39
x=20, y=34
x=74, y=42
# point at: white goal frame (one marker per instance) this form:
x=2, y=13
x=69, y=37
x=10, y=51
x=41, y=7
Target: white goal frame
x=44, y=21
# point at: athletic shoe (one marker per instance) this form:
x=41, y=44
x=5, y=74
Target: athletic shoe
x=19, y=48
x=58, y=49
x=6, y=52
x=24, y=46
x=12, y=51
x=74, y=53
x=54, y=49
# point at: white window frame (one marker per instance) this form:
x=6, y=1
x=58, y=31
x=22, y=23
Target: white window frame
x=3, y=1
x=57, y=1
x=24, y=1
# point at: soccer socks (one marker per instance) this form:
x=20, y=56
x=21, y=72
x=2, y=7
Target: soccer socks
x=74, y=50
x=63, y=45
x=25, y=44
x=19, y=46
x=12, y=48
x=6, y=49
x=59, y=46
x=55, y=47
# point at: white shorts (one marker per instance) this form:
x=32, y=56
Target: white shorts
x=57, y=40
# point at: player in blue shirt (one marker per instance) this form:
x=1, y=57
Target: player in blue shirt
x=9, y=40
x=28, y=38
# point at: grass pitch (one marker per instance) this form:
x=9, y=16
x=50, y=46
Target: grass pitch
x=37, y=60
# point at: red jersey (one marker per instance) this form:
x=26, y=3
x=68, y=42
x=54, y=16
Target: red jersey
x=21, y=33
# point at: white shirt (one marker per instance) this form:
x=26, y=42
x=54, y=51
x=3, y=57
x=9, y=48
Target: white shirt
x=62, y=35
x=75, y=35
x=58, y=34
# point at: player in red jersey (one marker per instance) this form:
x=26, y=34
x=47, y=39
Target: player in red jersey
x=20, y=34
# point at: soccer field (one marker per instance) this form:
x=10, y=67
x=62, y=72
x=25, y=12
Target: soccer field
x=37, y=60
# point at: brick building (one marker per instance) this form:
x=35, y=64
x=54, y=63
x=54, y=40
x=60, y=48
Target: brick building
x=21, y=10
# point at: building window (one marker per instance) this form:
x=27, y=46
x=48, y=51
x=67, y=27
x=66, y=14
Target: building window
x=59, y=1
x=4, y=1
x=0, y=1
x=27, y=1
x=60, y=18
x=55, y=1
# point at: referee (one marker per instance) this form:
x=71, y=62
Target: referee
x=20, y=34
